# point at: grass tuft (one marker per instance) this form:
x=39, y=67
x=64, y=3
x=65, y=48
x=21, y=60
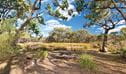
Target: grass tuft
x=86, y=61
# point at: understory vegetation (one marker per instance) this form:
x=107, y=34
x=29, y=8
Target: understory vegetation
x=62, y=36
x=6, y=49
x=86, y=61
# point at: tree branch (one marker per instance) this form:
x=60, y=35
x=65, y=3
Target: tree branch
x=113, y=25
x=122, y=14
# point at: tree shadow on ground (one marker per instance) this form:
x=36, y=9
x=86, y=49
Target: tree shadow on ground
x=39, y=69
x=112, y=62
x=7, y=68
x=105, y=56
x=53, y=67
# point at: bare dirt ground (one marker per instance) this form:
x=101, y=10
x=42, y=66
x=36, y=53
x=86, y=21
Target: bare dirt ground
x=106, y=64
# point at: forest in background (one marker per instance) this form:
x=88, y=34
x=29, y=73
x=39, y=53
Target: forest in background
x=19, y=48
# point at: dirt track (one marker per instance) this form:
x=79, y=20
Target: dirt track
x=107, y=64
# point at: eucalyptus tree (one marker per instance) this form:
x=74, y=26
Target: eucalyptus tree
x=32, y=11
x=100, y=12
x=7, y=31
x=81, y=36
x=7, y=26
x=67, y=35
x=6, y=6
x=106, y=18
x=59, y=35
x=120, y=4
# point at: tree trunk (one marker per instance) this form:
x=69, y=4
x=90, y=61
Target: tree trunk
x=104, y=44
x=17, y=34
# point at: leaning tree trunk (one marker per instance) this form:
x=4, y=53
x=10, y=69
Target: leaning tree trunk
x=104, y=44
x=17, y=34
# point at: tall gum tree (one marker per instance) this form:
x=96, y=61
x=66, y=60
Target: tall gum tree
x=103, y=13
x=32, y=10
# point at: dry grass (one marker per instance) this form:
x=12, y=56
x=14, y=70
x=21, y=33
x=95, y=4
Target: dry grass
x=61, y=46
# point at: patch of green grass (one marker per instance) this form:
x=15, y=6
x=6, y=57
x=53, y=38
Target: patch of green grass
x=42, y=54
x=6, y=49
x=86, y=61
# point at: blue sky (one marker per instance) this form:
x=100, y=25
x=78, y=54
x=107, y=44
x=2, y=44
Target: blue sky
x=75, y=23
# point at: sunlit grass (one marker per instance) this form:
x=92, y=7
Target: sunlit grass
x=6, y=49
x=86, y=61
x=60, y=46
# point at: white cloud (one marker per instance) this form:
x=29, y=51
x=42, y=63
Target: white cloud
x=122, y=22
x=120, y=25
x=56, y=24
x=50, y=25
x=43, y=1
x=117, y=29
x=65, y=12
x=19, y=22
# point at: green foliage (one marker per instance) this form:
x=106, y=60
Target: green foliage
x=59, y=35
x=123, y=52
x=24, y=35
x=56, y=12
x=7, y=30
x=64, y=4
x=6, y=49
x=79, y=5
x=55, y=3
x=49, y=8
x=8, y=5
x=33, y=26
x=67, y=35
x=97, y=12
x=42, y=54
x=20, y=6
x=123, y=33
x=7, y=25
x=23, y=7
x=41, y=20
x=86, y=61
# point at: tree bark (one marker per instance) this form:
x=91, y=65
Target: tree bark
x=25, y=23
x=104, y=44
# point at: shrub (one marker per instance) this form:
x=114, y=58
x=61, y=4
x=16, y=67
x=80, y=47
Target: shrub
x=86, y=61
x=6, y=49
x=123, y=52
x=42, y=54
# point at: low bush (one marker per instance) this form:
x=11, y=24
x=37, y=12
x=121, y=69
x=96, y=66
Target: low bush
x=123, y=52
x=86, y=61
x=6, y=49
x=42, y=54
